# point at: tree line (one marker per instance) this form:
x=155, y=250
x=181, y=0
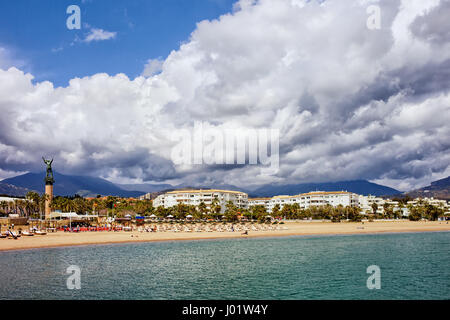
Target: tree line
x=33, y=206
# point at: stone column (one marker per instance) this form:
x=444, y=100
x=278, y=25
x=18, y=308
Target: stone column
x=48, y=199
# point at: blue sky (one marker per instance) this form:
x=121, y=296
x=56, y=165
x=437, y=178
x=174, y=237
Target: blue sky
x=35, y=33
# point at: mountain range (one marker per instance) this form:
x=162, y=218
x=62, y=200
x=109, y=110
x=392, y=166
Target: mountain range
x=67, y=185
x=91, y=186
x=439, y=189
x=362, y=187
x=12, y=190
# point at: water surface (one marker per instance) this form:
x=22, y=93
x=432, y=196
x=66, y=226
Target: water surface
x=413, y=266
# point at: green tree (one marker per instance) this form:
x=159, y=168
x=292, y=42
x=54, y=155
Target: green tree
x=287, y=211
x=231, y=211
x=215, y=209
x=258, y=212
x=415, y=213
x=388, y=210
x=433, y=212
x=374, y=208
x=354, y=213
x=203, y=210
x=276, y=210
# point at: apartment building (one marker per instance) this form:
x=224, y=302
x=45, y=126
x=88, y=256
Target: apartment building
x=306, y=200
x=195, y=197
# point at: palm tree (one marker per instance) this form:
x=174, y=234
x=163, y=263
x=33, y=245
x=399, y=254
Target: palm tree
x=276, y=210
x=374, y=208
x=181, y=210
x=231, y=211
x=386, y=210
x=4, y=205
x=215, y=208
x=202, y=209
x=295, y=210
x=258, y=211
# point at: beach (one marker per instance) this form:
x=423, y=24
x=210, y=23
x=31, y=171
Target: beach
x=289, y=228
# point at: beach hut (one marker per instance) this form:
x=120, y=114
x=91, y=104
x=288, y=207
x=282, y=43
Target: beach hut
x=140, y=220
x=123, y=222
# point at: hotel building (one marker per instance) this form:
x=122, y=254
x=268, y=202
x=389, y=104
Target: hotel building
x=306, y=200
x=195, y=197
x=366, y=202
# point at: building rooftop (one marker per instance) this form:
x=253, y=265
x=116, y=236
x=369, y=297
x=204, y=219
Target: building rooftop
x=204, y=191
x=324, y=192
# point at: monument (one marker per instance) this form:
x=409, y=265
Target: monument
x=48, y=187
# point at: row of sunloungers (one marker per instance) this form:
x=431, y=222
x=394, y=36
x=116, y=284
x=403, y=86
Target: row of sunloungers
x=214, y=228
x=16, y=235
x=85, y=229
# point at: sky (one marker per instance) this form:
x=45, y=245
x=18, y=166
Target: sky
x=349, y=101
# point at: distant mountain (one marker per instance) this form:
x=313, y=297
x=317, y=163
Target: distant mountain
x=144, y=187
x=362, y=187
x=12, y=190
x=91, y=186
x=67, y=185
x=439, y=189
x=209, y=186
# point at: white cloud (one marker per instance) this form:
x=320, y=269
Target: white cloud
x=9, y=59
x=99, y=35
x=350, y=102
x=152, y=67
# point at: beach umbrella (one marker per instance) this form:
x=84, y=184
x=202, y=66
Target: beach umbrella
x=152, y=216
x=170, y=216
x=188, y=216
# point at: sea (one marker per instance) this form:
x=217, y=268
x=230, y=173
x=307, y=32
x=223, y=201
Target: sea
x=363, y=267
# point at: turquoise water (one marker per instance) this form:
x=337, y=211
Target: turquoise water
x=413, y=266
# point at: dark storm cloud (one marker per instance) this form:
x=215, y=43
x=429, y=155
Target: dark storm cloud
x=435, y=25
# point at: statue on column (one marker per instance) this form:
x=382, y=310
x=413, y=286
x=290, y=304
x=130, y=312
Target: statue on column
x=49, y=176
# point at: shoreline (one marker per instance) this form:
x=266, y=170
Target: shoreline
x=212, y=238
x=61, y=239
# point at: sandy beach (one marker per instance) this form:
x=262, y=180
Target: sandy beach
x=60, y=238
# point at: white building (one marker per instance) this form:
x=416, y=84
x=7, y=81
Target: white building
x=258, y=202
x=306, y=200
x=10, y=199
x=147, y=196
x=195, y=197
x=366, y=202
x=435, y=202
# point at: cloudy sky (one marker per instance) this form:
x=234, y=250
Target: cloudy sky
x=350, y=102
